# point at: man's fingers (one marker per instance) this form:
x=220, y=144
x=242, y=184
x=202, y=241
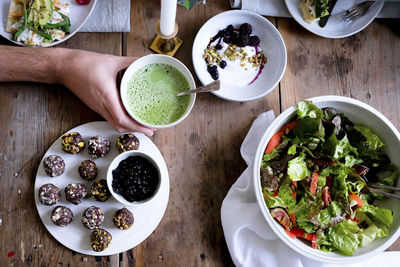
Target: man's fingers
x=122, y=122
x=124, y=62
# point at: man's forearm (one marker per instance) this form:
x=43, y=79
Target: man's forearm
x=31, y=64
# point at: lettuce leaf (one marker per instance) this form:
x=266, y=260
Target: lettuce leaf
x=285, y=193
x=382, y=217
x=272, y=202
x=297, y=168
x=345, y=237
x=339, y=148
x=308, y=109
x=301, y=212
x=372, y=141
x=327, y=215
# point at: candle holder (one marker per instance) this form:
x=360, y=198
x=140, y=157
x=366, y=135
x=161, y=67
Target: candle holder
x=166, y=45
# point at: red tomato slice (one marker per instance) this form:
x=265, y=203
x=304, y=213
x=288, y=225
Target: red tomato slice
x=314, y=183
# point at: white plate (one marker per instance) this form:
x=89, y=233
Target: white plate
x=75, y=236
x=336, y=28
x=271, y=43
x=78, y=15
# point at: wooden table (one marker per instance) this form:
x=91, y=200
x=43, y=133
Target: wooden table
x=202, y=153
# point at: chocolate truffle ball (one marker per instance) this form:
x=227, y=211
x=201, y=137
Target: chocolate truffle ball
x=61, y=216
x=75, y=193
x=72, y=143
x=123, y=219
x=49, y=194
x=100, y=239
x=88, y=170
x=127, y=142
x=100, y=190
x=98, y=146
x=92, y=217
x=54, y=165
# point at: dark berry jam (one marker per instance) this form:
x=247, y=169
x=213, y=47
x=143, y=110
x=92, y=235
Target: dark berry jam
x=135, y=178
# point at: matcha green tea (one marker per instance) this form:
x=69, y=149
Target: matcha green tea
x=151, y=94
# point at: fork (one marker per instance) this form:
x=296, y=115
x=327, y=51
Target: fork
x=356, y=11
x=375, y=188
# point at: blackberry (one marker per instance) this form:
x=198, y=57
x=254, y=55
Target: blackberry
x=234, y=38
x=254, y=40
x=222, y=64
x=242, y=41
x=218, y=47
x=227, y=39
x=229, y=29
x=245, y=29
x=215, y=74
x=135, y=178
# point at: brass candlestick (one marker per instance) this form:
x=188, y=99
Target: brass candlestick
x=166, y=45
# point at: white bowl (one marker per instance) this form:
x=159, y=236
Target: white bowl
x=271, y=43
x=114, y=164
x=153, y=59
x=359, y=113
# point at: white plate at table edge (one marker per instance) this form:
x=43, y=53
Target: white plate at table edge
x=81, y=22
x=316, y=29
x=145, y=222
x=280, y=66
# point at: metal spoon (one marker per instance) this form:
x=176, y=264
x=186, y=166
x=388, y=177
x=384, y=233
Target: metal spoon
x=214, y=86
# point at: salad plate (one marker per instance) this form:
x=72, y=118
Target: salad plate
x=75, y=236
x=336, y=27
x=78, y=14
x=380, y=238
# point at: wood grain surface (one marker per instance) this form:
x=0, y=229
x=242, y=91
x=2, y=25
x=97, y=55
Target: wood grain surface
x=202, y=152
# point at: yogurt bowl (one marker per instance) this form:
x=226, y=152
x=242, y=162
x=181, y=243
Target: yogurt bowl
x=149, y=87
x=241, y=83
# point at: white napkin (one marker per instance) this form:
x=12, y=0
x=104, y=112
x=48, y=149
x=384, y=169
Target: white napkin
x=109, y=16
x=277, y=8
x=251, y=242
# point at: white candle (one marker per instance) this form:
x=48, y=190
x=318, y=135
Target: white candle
x=168, y=13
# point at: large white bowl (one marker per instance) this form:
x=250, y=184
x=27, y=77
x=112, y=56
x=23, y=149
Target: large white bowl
x=359, y=113
x=159, y=59
x=271, y=43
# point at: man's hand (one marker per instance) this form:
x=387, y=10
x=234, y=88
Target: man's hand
x=92, y=77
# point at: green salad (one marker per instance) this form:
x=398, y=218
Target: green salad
x=313, y=177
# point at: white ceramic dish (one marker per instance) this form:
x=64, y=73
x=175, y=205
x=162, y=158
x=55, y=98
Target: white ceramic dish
x=75, y=236
x=359, y=113
x=271, y=43
x=336, y=28
x=160, y=59
x=78, y=15
x=114, y=164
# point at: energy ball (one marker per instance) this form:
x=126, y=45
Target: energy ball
x=88, y=170
x=72, y=143
x=61, y=216
x=100, y=190
x=98, y=146
x=92, y=217
x=75, y=193
x=127, y=142
x=49, y=194
x=54, y=165
x=123, y=219
x=100, y=239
